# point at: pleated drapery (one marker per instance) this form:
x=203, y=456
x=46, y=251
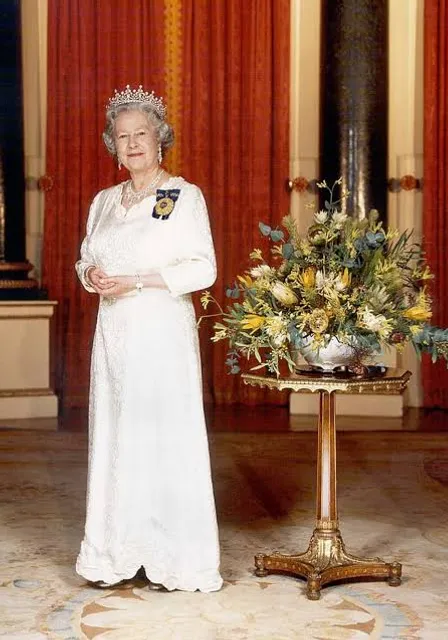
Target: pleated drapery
x=435, y=207
x=235, y=141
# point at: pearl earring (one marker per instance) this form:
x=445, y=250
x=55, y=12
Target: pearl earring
x=119, y=166
x=160, y=156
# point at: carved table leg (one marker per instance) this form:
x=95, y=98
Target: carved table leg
x=326, y=559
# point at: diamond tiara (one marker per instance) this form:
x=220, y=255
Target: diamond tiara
x=139, y=96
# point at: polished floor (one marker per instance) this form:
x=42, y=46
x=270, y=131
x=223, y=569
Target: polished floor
x=260, y=419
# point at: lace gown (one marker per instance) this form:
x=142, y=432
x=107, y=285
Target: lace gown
x=150, y=498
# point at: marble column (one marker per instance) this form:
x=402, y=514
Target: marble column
x=354, y=101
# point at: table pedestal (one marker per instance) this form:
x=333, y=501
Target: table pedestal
x=326, y=559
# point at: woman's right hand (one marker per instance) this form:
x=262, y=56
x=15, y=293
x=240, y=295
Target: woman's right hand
x=97, y=278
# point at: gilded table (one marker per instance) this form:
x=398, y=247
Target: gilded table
x=326, y=559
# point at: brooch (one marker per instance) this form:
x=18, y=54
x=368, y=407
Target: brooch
x=165, y=201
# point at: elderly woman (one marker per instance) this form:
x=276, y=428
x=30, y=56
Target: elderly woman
x=150, y=503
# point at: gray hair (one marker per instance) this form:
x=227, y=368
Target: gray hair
x=163, y=131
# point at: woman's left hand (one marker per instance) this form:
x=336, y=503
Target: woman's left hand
x=120, y=285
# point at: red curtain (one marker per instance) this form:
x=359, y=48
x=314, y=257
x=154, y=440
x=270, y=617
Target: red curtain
x=228, y=83
x=235, y=141
x=93, y=47
x=435, y=213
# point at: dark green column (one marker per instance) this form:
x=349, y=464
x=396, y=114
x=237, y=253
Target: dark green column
x=354, y=101
x=14, y=268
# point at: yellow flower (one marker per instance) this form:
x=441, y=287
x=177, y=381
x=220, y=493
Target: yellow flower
x=337, y=312
x=426, y=274
x=284, y=294
x=419, y=313
x=318, y=321
x=262, y=284
x=308, y=278
x=422, y=274
x=246, y=281
x=206, y=298
x=391, y=234
x=318, y=341
x=252, y=322
x=305, y=247
x=346, y=278
x=256, y=255
x=221, y=332
x=415, y=329
x=421, y=310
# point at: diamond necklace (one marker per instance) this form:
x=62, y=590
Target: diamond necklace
x=132, y=196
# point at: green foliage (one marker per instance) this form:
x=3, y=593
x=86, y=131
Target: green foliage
x=345, y=278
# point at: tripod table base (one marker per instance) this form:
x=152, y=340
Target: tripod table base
x=325, y=561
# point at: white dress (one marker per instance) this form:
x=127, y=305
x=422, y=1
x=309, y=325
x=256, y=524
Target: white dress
x=150, y=498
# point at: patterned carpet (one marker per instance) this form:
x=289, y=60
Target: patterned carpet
x=393, y=502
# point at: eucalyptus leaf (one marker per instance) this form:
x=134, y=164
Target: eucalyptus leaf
x=287, y=250
x=277, y=235
x=264, y=228
x=233, y=293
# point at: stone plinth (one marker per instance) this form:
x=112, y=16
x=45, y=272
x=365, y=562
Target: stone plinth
x=25, y=390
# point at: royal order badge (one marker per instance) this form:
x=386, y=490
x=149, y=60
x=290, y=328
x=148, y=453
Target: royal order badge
x=165, y=201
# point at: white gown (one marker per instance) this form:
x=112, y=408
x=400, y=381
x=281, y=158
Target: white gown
x=150, y=498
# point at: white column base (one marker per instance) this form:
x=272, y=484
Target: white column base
x=349, y=405
x=25, y=372
x=43, y=403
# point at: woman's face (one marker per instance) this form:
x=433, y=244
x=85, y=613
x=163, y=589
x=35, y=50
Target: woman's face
x=135, y=142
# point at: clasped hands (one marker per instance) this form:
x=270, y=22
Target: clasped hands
x=116, y=286
x=109, y=286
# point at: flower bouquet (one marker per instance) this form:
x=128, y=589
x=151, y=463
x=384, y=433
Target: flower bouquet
x=346, y=280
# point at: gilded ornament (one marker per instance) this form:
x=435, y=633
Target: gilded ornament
x=165, y=202
x=164, y=207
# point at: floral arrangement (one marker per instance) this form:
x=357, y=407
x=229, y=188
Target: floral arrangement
x=345, y=278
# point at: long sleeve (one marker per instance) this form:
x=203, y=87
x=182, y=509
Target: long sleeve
x=87, y=259
x=195, y=268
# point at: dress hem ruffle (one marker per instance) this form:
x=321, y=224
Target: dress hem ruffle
x=204, y=581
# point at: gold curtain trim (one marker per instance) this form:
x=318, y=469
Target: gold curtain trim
x=173, y=78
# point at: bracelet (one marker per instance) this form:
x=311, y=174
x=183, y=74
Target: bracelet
x=139, y=283
x=86, y=274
